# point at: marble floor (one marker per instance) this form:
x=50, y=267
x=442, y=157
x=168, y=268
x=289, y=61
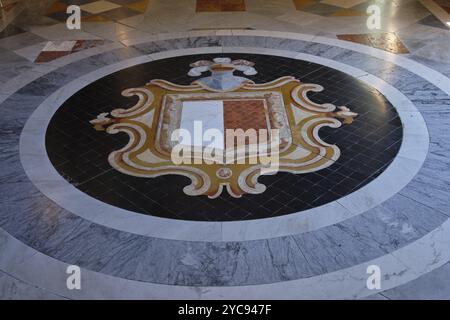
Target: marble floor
x=350, y=201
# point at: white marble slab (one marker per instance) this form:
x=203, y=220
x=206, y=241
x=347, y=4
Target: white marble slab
x=200, y=116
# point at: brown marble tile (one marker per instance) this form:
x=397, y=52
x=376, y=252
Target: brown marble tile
x=140, y=6
x=300, y=4
x=386, y=41
x=57, y=7
x=358, y=38
x=245, y=114
x=220, y=5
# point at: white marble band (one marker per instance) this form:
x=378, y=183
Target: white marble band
x=41, y=172
x=397, y=268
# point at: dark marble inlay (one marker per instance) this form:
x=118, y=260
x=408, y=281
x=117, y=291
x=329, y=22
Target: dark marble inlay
x=80, y=154
x=35, y=220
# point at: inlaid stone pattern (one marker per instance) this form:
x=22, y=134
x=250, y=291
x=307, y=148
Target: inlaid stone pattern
x=368, y=145
x=245, y=114
x=386, y=41
x=57, y=49
x=99, y=11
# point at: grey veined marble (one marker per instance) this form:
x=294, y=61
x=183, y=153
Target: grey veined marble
x=35, y=220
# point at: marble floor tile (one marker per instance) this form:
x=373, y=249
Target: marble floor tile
x=432, y=21
x=57, y=6
x=59, y=46
x=10, y=30
x=59, y=32
x=220, y=5
x=381, y=197
x=99, y=6
x=320, y=8
x=108, y=30
x=386, y=41
x=300, y=4
x=31, y=52
x=427, y=287
x=14, y=289
x=343, y=3
x=20, y=41
x=120, y=13
x=140, y=6
x=348, y=13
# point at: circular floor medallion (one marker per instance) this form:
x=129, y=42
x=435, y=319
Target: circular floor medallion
x=110, y=140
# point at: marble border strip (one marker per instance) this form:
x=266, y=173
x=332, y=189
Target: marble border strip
x=399, y=267
x=427, y=73
x=41, y=172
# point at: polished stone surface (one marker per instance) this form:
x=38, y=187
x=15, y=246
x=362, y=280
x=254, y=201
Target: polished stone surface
x=367, y=146
x=404, y=232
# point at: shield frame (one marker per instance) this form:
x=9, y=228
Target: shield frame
x=150, y=123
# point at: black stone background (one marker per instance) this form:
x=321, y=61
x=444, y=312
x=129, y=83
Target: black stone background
x=80, y=153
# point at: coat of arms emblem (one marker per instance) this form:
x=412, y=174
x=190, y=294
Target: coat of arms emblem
x=277, y=120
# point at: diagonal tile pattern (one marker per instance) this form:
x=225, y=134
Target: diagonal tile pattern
x=99, y=6
x=57, y=49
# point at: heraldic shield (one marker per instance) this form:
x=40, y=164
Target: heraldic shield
x=276, y=123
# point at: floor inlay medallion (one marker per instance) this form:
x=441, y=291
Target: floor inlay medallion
x=261, y=129
x=298, y=98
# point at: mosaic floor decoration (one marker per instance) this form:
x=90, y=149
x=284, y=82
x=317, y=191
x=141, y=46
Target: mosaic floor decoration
x=336, y=135
x=224, y=102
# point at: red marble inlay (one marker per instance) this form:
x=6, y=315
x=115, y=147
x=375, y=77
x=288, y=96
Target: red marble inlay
x=244, y=114
x=46, y=56
x=446, y=8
